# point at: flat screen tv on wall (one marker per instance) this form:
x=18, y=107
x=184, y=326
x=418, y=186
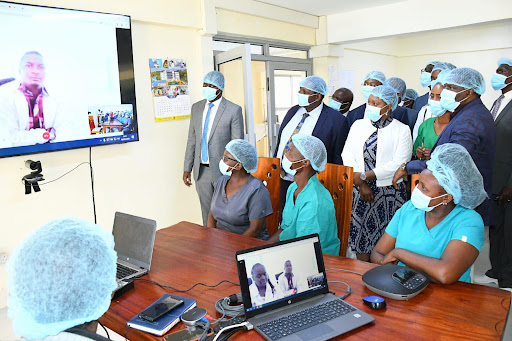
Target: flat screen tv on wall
x=66, y=79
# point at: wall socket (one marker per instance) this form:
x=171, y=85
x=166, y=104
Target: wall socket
x=3, y=257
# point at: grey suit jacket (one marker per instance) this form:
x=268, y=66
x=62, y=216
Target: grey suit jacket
x=502, y=175
x=227, y=125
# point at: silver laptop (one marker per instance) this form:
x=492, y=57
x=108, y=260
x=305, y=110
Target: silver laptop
x=134, y=239
x=285, y=293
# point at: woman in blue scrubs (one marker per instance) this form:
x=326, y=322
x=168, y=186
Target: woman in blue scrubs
x=437, y=231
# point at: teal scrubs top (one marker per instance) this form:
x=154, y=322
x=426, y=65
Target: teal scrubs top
x=410, y=230
x=312, y=212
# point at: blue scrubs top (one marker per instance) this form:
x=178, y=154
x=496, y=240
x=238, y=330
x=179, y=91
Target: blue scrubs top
x=410, y=230
x=312, y=212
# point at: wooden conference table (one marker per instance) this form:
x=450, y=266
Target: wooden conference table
x=186, y=253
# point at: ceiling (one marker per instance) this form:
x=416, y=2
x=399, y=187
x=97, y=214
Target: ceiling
x=326, y=7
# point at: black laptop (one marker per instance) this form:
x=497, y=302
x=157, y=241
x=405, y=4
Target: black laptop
x=286, y=296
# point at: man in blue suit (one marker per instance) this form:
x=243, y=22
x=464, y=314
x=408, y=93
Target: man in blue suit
x=372, y=79
x=471, y=125
x=311, y=117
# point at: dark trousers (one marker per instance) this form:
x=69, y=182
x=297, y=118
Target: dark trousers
x=284, y=188
x=500, y=238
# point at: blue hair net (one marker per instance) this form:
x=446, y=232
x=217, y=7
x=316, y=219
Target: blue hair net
x=59, y=277
x=435, y=62
x=443, y=66
x=396, y=83
x=411, y=94
x=313, y=149
x=377, y=75
x=245, y=153
x=506, y=61
x=441, y=78
x=467, y=78
x=456, y=172
x=214, y=78
x=316, y=84
x=387, y=94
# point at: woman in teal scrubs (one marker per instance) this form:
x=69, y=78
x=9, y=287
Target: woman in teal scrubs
x=309, y=207
x=437, y=231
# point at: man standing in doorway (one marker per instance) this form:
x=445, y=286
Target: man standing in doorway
x=313, y=118
x=214, y=122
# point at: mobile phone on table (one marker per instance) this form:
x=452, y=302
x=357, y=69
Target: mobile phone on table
x=161, y=308
x=185, y=335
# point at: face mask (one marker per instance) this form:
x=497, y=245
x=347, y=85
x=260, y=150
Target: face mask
x=304, y=100
x=367, y=91
x=223, y=167
x=287, y=166
x=421, y=201
x=373, y=113
x=401, y=103
x=435, y=108
x=425, y=78
x=498, y=81
x=448, y=101
x=209, y=93
x=336, y=105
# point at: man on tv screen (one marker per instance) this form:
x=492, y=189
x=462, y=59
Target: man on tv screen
x=28, y=110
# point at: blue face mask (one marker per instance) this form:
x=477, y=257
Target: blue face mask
x=425, y=78
x=373, y=113
x=448, y=101
x=498, y=81
x=435, y=108
x=209, y=93
x=367, y=91
x=334, y=104
x=304, y=100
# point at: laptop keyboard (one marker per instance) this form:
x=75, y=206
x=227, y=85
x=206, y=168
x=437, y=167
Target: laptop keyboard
x=310, y=317
x=123, y=271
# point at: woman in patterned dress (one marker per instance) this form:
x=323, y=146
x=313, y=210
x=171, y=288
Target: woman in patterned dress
x=376, y=146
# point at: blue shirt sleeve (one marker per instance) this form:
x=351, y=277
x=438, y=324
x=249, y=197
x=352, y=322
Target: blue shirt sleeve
x=259, y=204
x=470, y=229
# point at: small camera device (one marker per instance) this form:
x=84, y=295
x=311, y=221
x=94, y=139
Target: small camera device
x=31, y=180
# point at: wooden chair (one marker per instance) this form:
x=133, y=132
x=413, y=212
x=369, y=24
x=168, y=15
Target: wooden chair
x=338, y=180
x=268, y=172
x=414, y=180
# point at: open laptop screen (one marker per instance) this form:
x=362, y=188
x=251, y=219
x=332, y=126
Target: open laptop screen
x=281, y=274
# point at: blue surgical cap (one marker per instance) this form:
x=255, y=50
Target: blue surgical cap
x=396, y=83
x=435, y=62
x=245, y=153
x=214, y=78
x=313, y=149
x=387, y=94
x=506, y=61
x=456, y=172
x=316, y=84
x=411, y=94
x=441, y=78
x=59, y=277
x=467, y=78
x=443, y=67
x=377, y=75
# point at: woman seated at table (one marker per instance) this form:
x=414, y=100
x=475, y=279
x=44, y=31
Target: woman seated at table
x=375, y=147
x=430, y=130
x=437, y=231
x=240, y=202
x=309, y=207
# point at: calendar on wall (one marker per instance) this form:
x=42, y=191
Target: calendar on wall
x=169, y=87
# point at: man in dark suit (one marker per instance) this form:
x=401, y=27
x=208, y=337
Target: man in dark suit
x=500, y=234
x=471, y=125
x=372, y=79
x=425, y=80
x=312, y=117
x=214, y=121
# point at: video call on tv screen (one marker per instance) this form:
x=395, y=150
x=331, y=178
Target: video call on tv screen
x=66, y=79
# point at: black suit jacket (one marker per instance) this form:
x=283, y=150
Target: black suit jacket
x=502, y=173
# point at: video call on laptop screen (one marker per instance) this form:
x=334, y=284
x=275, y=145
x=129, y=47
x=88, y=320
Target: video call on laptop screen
x=279, y=275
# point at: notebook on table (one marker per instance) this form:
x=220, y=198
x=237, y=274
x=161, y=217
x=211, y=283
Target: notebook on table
x=286, y=296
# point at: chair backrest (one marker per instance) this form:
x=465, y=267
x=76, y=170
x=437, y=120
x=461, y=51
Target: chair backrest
x=414, y=180
x=6, y=80
x=338, y=180
x=268, y=172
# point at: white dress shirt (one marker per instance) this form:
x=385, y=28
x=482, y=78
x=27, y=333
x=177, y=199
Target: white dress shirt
x=257, y=299
x=210, y=122
x=307, y=129
x=423, y=115
x=504, y=102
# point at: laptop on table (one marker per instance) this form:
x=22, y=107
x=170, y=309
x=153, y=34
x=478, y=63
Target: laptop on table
x=294, y=305
x=134, y=238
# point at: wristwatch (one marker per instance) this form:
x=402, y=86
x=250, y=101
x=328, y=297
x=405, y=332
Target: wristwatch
x=404, y=167
x=363, y=176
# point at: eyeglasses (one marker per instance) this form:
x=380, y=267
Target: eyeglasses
x=225, y=158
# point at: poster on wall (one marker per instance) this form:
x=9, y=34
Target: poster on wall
x=169, y=87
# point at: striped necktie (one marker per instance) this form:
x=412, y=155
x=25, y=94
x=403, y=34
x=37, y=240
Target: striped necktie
x=287, y=146
x=496, y=106
x=204, y=138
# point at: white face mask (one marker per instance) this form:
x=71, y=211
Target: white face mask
x=287, y=166
x=224, y=168
x=421, y=201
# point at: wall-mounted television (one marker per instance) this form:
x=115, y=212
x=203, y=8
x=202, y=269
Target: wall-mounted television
x=66, y=79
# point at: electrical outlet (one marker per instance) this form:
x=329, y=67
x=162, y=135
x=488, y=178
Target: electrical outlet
x=3, y=257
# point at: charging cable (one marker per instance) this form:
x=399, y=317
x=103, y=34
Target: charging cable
x=246, y=325
x=225, y=306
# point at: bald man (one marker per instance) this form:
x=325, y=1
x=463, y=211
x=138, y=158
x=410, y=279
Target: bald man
x=342, y=100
